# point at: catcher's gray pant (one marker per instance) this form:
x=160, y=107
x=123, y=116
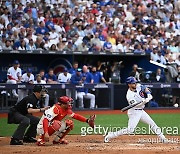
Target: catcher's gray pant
x=24, y=122
x=90, y=96
x=13, y=90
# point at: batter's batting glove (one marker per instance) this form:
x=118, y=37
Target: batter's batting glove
x=91, y=120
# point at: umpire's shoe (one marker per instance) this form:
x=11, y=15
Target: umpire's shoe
x=29, y=139
x=15, y=141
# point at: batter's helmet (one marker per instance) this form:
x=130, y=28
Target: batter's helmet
x=131, y=80
x=65, y=99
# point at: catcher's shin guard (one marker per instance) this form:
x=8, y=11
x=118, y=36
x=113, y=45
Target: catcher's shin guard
x=59, y=139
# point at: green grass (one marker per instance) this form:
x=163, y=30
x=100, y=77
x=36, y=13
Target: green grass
x=109, y=121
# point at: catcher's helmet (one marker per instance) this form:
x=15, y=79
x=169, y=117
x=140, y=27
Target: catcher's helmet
x=131, y=80
x=65, y=99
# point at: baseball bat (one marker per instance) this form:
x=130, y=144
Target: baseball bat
x=130, y=106
x=158, y=64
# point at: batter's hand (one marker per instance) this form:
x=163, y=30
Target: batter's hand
x=91, y=120
x=46, y=137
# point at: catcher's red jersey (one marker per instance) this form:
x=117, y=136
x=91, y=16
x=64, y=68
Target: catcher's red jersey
x=58, y=113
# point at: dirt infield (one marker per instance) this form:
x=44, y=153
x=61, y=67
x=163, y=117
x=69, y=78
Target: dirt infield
x=94, y=144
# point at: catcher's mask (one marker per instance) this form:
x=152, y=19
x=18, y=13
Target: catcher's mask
x=66, y=100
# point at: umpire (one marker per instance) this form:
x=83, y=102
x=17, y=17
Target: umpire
x=21, y=114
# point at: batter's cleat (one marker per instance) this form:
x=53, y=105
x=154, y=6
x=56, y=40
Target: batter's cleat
x=106, y=139
x=40, y=142
x=61, y=141
x=165, y=140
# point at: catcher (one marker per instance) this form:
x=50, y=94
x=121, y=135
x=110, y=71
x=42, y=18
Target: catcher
x=51, y=122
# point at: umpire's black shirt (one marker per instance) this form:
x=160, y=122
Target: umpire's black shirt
x=26, y=103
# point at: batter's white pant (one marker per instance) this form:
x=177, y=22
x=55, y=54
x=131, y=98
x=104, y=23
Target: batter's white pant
x=90, y=96
x=13, y=90
x=134, y=117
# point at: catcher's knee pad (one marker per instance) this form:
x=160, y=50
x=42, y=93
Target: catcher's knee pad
x=55, y=126
x=69, y=124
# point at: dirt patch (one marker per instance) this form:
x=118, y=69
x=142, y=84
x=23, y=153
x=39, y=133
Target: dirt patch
x=94, y=144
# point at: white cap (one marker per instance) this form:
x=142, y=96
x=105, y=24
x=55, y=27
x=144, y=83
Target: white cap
x=64, y=39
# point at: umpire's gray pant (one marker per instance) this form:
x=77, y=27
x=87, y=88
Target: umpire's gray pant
x=24, y=122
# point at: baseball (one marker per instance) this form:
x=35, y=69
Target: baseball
x=176, y=105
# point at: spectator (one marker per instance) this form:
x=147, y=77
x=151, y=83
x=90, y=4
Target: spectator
x=31, y=46
x=50, y=77
x=41, y=29
x=53, y=47
x=159, y=76
x=14, y=74
x=22, y=45
x=69, y=46
x=27, y=78
x=96, y=41
x=154, y=55
x=82, y=47
x=160, y=58
x=171, y=72
x=135, y=73
x=7, y=46
x=107, y=47
x=79, y=79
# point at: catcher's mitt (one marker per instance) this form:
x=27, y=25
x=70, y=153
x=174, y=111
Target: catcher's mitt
x=91, y=120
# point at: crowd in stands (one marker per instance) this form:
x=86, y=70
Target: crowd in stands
x=138, y=26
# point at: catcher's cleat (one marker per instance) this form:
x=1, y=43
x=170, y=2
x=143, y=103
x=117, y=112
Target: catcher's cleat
x=40, y=142
x=61, y=141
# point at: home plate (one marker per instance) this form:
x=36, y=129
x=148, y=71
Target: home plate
x=136, y=144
